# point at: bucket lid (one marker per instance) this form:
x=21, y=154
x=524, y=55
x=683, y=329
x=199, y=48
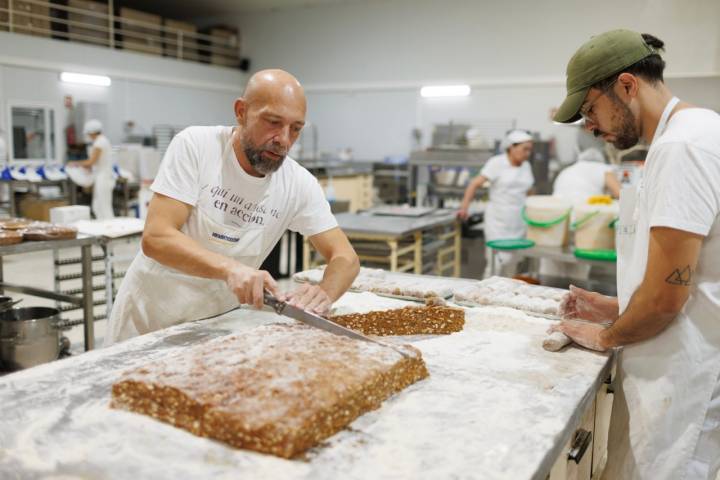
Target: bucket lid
x=596, y=254
x=585, y=208
x=510, y=244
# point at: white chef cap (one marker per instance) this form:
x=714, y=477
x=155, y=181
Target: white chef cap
x=92, y=126
x=513, y=137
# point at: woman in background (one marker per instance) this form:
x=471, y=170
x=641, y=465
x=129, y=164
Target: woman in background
x=101, y=164
x=510, y=178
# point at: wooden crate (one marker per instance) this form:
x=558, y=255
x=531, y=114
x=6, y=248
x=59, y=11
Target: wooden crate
x=189, y=43
x=143, y=37
x=85, y=33
x=25, y=18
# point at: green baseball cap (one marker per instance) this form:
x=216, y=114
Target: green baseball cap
x=597, y=59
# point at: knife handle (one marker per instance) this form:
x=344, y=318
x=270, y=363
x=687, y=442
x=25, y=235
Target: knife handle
x=272, y=302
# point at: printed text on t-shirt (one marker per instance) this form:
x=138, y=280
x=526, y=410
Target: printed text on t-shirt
x=243, y=209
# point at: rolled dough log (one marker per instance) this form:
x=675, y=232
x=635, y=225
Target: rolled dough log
x=556, y=341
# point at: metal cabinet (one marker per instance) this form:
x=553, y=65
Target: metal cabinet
x=584, y=456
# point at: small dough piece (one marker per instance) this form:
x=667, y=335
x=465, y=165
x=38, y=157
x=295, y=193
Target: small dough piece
x=556, y=341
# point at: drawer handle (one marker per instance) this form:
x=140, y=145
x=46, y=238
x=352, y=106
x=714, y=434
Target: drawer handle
x=580, y=443
x=608, y=381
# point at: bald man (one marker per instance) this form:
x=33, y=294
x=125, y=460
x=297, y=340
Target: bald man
x=222, y=199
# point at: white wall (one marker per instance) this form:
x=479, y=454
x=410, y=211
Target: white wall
x=363, y=62
x=147, y=89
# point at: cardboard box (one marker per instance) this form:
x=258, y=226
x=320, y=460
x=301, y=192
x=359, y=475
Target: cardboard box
x=39, y=209
x=92, y=27
x=189, y=42
x=31, y=19
x=223, y=49
x=141, y=31
x=3, y=15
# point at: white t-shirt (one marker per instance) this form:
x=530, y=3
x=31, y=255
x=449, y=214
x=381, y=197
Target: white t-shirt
x=234, y=214
x=103, y=166
x=579, y=181
x=193, y=172
x=508, y=184
x=681, y=190
x=669, y=379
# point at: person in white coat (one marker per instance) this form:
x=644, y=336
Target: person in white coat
x=589, y=175
x=667, y=313
x=510, y=178
x=222, y=198
x=100, y=162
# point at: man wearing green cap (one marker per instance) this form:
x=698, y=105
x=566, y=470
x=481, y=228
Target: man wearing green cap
x=667, y=314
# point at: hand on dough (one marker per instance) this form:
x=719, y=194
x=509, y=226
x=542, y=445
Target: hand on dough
x=582, y=333
x=590, y=306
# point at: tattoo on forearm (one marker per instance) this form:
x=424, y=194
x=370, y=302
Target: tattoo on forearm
x=680, y=277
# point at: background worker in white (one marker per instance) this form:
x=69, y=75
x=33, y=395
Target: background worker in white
x=100, y=162
x=667, y=314
x=222, y=199
x=510, y=178
x=589, y=175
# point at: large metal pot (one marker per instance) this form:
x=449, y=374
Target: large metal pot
x=28, y=336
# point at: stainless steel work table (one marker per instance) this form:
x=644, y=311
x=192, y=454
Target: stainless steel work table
x=496, y=406
x=85, y=243
x=69, y=190
x=392, y=230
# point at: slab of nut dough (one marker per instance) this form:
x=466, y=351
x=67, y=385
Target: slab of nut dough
x=507, y=292
x=278, y=389
x=386, y=283
x=373, y=315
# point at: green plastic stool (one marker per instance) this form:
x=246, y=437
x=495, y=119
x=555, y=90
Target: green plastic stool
x=507, y=244
x=602, y=255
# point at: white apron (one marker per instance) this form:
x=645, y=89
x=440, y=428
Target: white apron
x=153, y=296
x=668, y=380
x=504, y=220
x=102, y=197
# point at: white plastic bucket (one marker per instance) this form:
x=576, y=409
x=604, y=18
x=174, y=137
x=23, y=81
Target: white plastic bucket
x=594, y=226
x=547, y=218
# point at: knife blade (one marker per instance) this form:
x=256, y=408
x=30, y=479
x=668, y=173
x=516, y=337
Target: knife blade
x=285, y=309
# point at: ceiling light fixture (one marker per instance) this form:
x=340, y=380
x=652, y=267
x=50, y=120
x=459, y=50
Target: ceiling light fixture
x=85, y=79
x=445, y=91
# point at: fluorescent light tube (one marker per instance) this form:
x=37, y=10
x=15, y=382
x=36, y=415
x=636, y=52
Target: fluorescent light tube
x=85, y=79
x=445, y=91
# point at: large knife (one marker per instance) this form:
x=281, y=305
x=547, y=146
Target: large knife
x=284, y=308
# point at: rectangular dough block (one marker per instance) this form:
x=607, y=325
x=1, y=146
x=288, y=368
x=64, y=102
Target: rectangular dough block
x=278, y=389
x=405, y=321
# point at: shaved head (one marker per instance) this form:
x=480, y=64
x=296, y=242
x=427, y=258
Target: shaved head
x=274, y=86
x=270, y=116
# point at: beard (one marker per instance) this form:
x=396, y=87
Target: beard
x=627, y=134
x=261, y=163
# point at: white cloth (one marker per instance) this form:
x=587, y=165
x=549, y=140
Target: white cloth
x=671, y=380
x=508, y=191
x=103, y=179
x=233, y=214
